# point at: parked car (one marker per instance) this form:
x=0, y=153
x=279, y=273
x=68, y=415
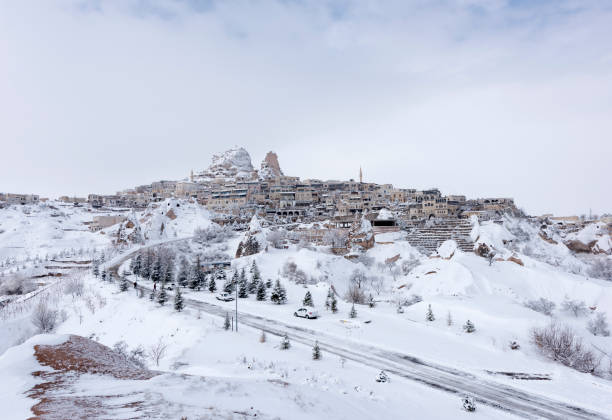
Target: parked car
x=307, y=313
x=225, y=297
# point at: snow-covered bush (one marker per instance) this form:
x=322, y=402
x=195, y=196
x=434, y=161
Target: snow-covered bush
x=74, y=286
x=292, y=273
x=601, y=268
x=412, y=300
x=541, y=305
x=355, y=295
x=469, y=327
x=277, y=238
x=212, y=234
x=409, y=264
x=561, y=344
x=16, y=284
x=574, y=307
x=468, y=404
x=136, y=355
x=44, y=318
x=599, y=325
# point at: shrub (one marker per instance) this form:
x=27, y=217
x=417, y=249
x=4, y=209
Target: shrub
x=561, y=344
x=44, y=318
x=16, y=284
x=541, y=305
x=575, y=307
x=355, y=295
x=601, y=268
x=212, y=234
x=599, y=325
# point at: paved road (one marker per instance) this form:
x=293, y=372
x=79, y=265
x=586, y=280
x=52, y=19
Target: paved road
x=448, y=379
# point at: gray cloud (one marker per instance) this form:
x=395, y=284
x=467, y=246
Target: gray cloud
x=480, y=97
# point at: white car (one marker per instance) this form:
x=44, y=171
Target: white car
x=307, y=313
x=225, y=297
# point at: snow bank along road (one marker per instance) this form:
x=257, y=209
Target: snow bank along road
x=444, y=378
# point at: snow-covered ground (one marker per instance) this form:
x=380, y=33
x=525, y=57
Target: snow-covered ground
x=230, y=373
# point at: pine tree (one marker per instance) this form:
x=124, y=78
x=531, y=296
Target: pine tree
x=178, y=300
x=429, y=316
x=469, y=327
x=103, y=275
x=162, y=297
x=268, y=283
x=328, y=299
x=353, y=312
x=156, y=271
x=371, y=302
x=145, y=269
x=169, y=271
x=308, y=299
x=152, y=295
x=279, y=294
x=183, y=275
x=261, y=291
x=199, y=274
x=110, y=277
x=285, y=344
x=226, y=323
x=96, y=268
x=449, y=319
x=262, y=337
x=228, y=286
x=123, y=286
x=316, y=351
x=137, y=265
x=212, y=285
x=243, y=290
x=243, y=280
x=255, y=274
x=334, y=304
x=192, y=279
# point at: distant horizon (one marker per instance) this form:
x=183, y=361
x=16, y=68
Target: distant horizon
x=476, y=97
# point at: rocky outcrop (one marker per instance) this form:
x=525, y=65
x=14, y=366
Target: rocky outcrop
x=579, y=246
x=270, y=168
x=232, y=164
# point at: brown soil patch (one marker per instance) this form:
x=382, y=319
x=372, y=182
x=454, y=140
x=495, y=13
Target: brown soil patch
x=516, y=261
x=170, y=214
x=69, y=360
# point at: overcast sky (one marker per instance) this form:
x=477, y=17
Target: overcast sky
x=478, y=97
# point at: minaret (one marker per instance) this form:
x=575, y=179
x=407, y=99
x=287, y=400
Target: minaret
x=191, y=176
x=360, y=176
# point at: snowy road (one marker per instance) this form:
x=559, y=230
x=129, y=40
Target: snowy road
x=444, y=378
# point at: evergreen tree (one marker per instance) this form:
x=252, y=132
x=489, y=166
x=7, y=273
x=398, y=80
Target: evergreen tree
x=328, y=299
x=162, y=296
x=123, y=286
x=353, y=312
x=308, y=299
x=212, y=285
x=268, y=283
x=192, y=279
x=243, y=279
x=261, y=291
x=469, y=327
x=152, y=295
x=169, y=271
x=110, y=277
x=334, y=304
x=156, y=271
x=228, y=286
x=429, y=316
x=145, y=269
x=285, y=344
x=226, y=323
x=371, y=302
x=279, y=294
x=137, y=265
x=256, y=275
x=316, y=351
x=199, y=274
x=183, y=275
x=178, y=300
x=103, y=275
x=96, y=268
x=220, y=274
x=262, y=337
x=449, y=319
x=243, y=290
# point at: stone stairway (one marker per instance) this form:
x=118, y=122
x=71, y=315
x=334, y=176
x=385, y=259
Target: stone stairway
x=428, y=236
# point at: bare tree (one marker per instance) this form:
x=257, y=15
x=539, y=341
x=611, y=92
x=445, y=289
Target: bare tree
x=44, y=318
x=541, y=305
x=561, y=344
x=599, y=325
x=575, y=307
x=158, y=350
